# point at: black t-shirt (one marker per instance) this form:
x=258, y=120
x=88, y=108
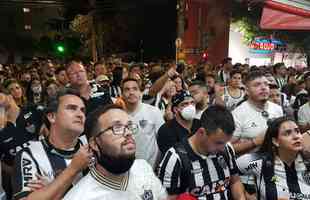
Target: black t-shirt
x=172, y=132
x=15, y=137
x=12, y=140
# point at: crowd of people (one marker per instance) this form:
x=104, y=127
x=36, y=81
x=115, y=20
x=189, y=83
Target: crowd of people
x=144, y=131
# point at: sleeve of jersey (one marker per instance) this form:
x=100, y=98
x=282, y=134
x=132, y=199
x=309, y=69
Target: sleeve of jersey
x=25, y=170
x=238, y=128
x=302, y=119
x=159, y=120
x=170, y=171
x=232, y=160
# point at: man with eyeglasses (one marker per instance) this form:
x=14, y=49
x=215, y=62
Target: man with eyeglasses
x=115, y=171
x=251, y=119
x=89, y=90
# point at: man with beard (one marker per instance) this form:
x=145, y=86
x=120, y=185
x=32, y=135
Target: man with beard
x=115, y=171
x=183, y=124
x=199, y=91
x=251, y=118
x=149, y=119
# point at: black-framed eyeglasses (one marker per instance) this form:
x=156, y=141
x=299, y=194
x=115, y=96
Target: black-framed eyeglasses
x=120, y=129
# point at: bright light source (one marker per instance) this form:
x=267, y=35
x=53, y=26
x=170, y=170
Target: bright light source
x=60, y=49
x=26, y=10
x=27, y=27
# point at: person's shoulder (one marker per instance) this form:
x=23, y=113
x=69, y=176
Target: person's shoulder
x=274, y=107
x=242, y=109
x=306, y=106
x=243, y=106
x=141, y=167
x=32, y=147
x=150, y=108
x=82, y=188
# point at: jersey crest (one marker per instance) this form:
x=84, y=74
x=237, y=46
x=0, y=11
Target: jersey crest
x=147, y=195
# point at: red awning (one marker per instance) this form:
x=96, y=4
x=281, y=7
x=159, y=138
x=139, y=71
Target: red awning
x=286, y=15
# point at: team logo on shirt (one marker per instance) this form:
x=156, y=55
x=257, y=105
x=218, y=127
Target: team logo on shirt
x=253, y=125
x=147, y=195
x=222, y=162
x=306, y=177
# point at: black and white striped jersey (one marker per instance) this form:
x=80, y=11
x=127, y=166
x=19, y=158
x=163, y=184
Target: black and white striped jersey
x=40, y=158
x=205, y=177
x=276, y=180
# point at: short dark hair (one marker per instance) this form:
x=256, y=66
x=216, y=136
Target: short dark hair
x=235, y=71
x=130, y=79
x=60, y=69
x=217, y=117
x=252, y=75
x=278, y=66
x=53, y=102
x=199, y=83
x=226, y=60
x=92, y=119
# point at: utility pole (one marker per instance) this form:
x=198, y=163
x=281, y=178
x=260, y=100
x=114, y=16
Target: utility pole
x=93, y=37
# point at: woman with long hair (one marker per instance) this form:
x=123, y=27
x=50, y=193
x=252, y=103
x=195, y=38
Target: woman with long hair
x=280, y=167
x=17, y=92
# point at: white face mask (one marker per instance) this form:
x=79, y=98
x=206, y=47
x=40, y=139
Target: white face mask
x=189, y=112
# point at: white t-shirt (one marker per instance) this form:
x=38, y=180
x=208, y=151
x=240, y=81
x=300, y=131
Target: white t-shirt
x=250, y=122
x=142, y=185
x=304, y=114
x=149, y=118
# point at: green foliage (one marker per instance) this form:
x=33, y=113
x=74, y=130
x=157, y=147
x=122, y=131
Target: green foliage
x=247, y=22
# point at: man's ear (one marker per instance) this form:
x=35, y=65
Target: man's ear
x=51, y=117
x=275, y=142
x=92, y=143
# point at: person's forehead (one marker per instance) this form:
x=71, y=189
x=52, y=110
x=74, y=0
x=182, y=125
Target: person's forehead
x=113, y=116
x=72, y=100
x=288, y=125
x=130, y=84
x=258, y=80
x=194, y=88
x=75, y=67
x=187, y=100
x=13, y=85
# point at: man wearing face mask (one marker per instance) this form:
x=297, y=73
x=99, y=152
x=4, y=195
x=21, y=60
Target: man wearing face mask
x=115, y=171
x=183, y=124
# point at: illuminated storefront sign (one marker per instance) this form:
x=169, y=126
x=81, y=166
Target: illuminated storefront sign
x=266, y=46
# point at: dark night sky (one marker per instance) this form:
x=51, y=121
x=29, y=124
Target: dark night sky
x=158, y=28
